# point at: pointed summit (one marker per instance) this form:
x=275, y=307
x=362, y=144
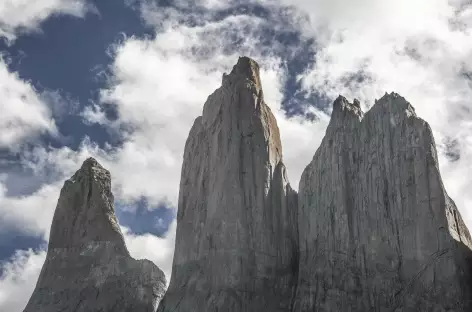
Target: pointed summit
x=88, y=267
x=248, y=68
x=345, y=115
x=393, y=104
x=85, y=210
x=91, y=163
x=341, y=104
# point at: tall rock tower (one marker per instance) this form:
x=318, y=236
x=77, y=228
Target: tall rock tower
x=378, y=231
x=236, y=244
x=88, y=267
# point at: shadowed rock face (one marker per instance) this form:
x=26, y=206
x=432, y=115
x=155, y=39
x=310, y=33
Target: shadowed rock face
x=378, y=231
x=236, y=232
x=88, y=267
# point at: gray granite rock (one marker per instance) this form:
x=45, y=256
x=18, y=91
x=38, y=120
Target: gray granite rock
x=88, y=267
x=236, y=242
x=377, y=230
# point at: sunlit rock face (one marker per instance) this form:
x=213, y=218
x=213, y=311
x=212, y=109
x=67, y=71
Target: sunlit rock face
x=88, y=267
x=377, y=230
x=236, y=244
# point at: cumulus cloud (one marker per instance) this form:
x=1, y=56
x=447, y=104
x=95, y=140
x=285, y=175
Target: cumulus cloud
x=159, y=250
x=21, y=16
x=24, y=115
x=18, y=278
x=29, y=215
x=420, y=49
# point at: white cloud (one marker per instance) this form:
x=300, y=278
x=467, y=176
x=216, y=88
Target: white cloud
x=159, y=250
x=30, y=215
x=23, y=114
x=19, y=278
x=20, y=16
x=420, y=49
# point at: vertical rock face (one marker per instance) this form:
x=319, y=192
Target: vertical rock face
x=236, y=243
x=378, y=231
x=88, y=267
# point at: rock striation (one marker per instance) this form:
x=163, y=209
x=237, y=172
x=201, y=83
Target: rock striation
x=88, y=267
x=378, y=231
x=236, y=241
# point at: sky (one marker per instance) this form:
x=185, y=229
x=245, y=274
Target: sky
x=123, y=80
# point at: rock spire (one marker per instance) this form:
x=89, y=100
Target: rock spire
x=88, y=267
x=236, y=233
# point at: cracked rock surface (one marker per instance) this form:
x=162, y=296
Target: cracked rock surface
x=378, y=231
x=236, y=243
x=88, y=267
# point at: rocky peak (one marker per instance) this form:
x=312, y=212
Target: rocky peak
x=85, y=210
x=88, y=267
x=345, y=115
x=245, y=69
x=394, y=107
